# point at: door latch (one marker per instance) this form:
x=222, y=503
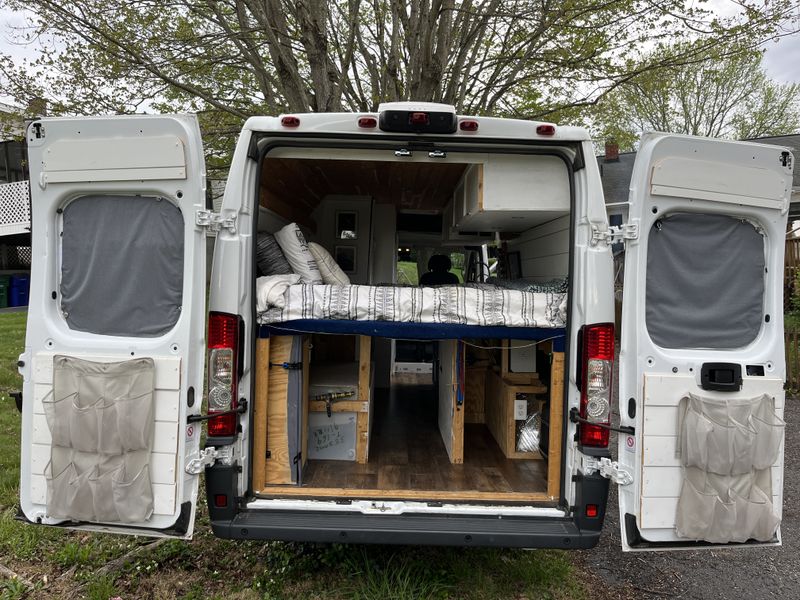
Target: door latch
x=615, y=233
x=608, y=469
x=208, y=456
x=214, y=221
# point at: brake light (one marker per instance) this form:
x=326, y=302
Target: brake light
x=367, y=122
x=223, y=345
x=468, y=125
x=597, y=356
x=290, y=121
x=546, y=129
x=419, y=118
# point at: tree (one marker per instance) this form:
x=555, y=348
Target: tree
x=720, y=97
x=230, y=59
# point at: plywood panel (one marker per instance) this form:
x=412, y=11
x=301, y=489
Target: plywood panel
x=499, y=406
x=556, y=425
x=278, y=463
x=364, y=393
x=260, y=413
x=474, y=394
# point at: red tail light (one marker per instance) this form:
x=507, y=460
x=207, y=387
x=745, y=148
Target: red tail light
x=597, y=356
x=223, y=345
x=468, y=125
x=419, y=118
x=289, y=121
x=367, y=122
x=546, y=129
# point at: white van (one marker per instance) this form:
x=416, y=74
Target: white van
x=347, y=403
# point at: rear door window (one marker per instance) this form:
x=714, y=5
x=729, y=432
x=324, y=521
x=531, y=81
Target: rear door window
x=705, y=281
x=122, y=265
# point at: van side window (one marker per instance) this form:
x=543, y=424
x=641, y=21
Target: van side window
x=122, y=265
x=705, y=281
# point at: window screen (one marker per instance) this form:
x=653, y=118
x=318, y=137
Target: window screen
x=705, y=281
x=122, y=265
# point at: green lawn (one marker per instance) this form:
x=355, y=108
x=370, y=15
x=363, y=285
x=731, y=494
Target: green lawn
x=56, y=563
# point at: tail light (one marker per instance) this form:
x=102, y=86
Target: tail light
x=546, y=129
x=223, y=345
x=290, y=121
x=597, y=356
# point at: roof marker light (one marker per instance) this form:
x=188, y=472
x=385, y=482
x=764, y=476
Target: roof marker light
x=468, y=125
x=290, y=121
x=367, y=122
x=546, y=129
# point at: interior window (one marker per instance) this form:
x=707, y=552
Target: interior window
x=705, y=281
x=122, y=265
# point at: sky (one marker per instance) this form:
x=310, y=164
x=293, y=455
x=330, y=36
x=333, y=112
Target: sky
x=781, y=60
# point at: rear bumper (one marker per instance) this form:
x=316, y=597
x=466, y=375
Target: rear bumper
x=444, y=530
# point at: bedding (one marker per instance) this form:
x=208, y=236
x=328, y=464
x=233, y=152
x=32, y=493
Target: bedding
x=269, y=256
x=472, y=304
x=332, y=273
x=295, y=249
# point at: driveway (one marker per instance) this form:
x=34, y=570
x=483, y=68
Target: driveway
x=747, y=573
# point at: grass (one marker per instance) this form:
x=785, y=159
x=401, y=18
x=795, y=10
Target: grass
x=59, y=563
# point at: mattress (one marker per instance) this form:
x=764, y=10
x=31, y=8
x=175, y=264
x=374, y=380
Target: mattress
x=483, y=305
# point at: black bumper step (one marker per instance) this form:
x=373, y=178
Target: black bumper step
x=427, y=529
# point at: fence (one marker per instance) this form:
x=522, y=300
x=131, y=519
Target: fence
x=790, y=299
x=15, y=208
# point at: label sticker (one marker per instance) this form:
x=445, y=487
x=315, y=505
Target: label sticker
x=630, y=443
x=190, y=432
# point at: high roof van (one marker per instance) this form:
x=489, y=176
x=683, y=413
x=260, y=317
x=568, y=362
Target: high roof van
x=408, y=334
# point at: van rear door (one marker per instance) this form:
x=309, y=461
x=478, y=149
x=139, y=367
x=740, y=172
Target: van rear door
x=702, y=356
x=115, y=342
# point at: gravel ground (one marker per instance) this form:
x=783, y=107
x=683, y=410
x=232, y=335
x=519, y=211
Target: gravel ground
x=740, y=574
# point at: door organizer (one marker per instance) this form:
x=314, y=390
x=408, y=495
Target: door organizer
x=100, y=417
x=727, y=448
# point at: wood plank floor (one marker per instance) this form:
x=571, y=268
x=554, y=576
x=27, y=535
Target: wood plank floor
x=407, y=453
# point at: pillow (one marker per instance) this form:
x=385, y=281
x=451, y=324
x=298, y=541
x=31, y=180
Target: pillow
x=269, y=256
x=332, y=273
x=295, y=248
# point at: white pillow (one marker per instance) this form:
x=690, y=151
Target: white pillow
x=332, y=273
x=294, y=246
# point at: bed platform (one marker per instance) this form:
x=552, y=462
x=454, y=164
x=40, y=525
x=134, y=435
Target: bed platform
x=414, y=331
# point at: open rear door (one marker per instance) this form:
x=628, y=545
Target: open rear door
x=115, y=343
x=702, y=356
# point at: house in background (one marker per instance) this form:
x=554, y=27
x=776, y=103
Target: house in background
x=15, y=216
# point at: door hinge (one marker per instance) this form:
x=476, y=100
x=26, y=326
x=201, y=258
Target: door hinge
x=613, y=233
x=215, y=221
x=208, y=456
x=610, y=469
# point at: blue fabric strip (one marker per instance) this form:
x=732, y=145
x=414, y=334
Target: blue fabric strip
x=414, y=331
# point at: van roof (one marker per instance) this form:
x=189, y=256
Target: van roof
x=347, y=123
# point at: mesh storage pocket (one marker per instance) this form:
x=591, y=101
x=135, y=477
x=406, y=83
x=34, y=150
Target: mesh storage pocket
x=132, y=493
x=102, y=407
x=769, y=430
x=121, y=489
x=724, y=509
x=101, y=417
x=69, y=495
x=729, y=437
x=57, y=411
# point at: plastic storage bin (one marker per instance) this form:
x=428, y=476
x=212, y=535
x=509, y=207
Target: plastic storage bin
x=18, y=290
